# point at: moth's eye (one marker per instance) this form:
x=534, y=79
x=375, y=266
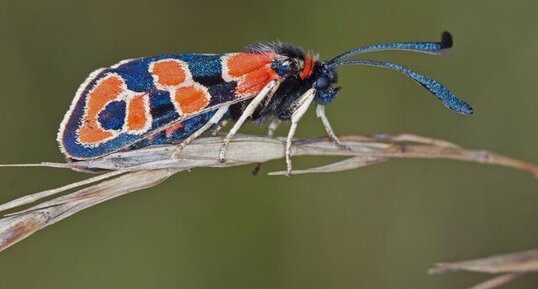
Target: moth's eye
x=322, y=83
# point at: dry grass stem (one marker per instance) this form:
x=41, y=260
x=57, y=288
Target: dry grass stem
x=136, y=170
x=498, y=281
x=510, y=266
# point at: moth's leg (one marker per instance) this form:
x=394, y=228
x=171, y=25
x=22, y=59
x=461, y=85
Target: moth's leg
x=320, y=112
x=300, y=108
x=218, y=127
x=267, y=91
x=273, y=126
x=215, y=119
x=270, y=133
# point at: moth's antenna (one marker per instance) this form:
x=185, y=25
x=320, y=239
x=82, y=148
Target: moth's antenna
x=436, y=88
x=436, y=48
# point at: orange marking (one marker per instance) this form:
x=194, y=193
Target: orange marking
x=255, y=81
x=171, y=129
x=137, y=113
x=89, y=134
x=191, y=99
x=308, y=67
x=243, y=63
x=168, y=73
x=105, y=91
x=252, y=71
x=151, y=137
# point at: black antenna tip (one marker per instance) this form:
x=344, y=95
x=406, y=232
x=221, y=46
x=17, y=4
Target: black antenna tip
x=467, y=109
x=446, y=40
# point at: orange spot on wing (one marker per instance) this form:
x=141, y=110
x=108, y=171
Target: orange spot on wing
x=254, y=82
x=252, y=71
x=89, y=134
x=137, y=113
x=243, y=63
x=105, y=91
x=171, y=129
x=168, y=73
x=191, y=99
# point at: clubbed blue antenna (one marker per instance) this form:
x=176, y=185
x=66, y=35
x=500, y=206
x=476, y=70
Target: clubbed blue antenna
x=436, y=88
x=436, y=48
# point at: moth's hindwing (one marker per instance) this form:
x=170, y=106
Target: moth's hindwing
x=157, y=100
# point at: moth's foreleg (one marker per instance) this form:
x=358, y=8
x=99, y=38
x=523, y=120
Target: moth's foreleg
x=267, y=91
x=275, y=123
x=270, y=133
x=215, y=119
x=218, y=127
x=300, y=108
x=320, y=112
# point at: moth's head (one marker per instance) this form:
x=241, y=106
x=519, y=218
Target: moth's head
x=314, y=74
x=324, y=78
x=319, y=75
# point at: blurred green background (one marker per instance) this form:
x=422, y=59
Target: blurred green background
x=379, y=227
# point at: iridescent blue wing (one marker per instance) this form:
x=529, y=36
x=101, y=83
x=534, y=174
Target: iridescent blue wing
x=116, y=107
x=135, y=100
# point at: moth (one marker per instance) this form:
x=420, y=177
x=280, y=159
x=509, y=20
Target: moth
x=173, y=99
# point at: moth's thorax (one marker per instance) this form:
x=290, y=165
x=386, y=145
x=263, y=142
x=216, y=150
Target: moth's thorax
x=290, y=61
x=299, y=71
x=301, y=68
